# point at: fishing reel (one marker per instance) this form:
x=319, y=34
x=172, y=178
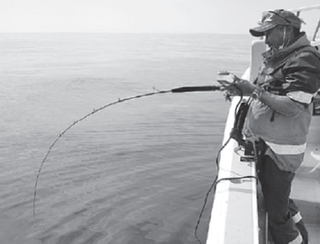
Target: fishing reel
x=226, y=79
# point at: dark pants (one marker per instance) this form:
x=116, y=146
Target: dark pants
x=276, y=187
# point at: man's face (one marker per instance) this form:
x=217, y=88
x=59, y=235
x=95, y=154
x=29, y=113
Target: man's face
x=274, y=38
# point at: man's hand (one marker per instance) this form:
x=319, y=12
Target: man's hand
x=239, y=88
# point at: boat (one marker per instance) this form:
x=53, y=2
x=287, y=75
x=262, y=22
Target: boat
x=238, y=215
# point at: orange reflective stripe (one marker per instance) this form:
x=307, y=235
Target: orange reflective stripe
x=297, y=217
x=287, y=149
x=301, y=96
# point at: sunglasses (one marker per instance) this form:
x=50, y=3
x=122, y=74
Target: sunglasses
x=273, y=12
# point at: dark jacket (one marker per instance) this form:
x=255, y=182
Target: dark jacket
x=293, y=72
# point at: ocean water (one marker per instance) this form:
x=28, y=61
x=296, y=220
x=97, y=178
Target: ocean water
x=133, y=173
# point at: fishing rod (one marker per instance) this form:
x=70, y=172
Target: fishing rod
x=196, y=89
x=156, y=92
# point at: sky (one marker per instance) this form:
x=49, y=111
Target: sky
x=154, y=16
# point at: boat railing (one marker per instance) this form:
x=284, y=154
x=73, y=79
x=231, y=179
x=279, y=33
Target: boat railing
x=297, y=11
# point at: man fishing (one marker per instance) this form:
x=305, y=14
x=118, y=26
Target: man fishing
x=279, y=116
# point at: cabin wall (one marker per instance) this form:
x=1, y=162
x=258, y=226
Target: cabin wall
x=257, y=48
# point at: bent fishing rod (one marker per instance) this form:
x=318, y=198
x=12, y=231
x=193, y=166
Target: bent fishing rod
x=156, y=92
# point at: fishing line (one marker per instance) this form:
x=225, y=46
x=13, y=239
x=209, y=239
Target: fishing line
x=155, y=92
x=76, y=122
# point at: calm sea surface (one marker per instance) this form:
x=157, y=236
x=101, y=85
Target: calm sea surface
x=136, y=172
